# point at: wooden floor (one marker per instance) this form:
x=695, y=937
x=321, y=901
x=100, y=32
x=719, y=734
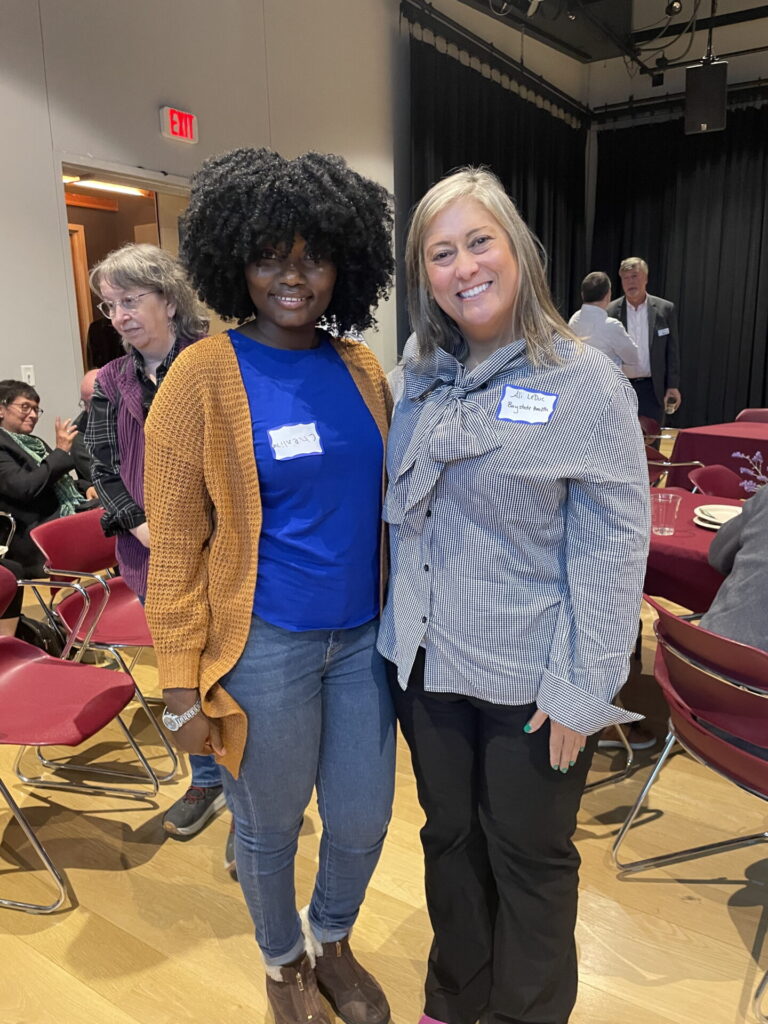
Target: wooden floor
x=159, y=933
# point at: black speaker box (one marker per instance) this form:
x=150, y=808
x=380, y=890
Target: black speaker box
x=705, y=97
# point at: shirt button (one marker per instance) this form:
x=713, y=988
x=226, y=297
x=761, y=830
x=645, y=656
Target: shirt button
x=426, y=568
x=423, y=618
x=428, y=513
x=483, y=387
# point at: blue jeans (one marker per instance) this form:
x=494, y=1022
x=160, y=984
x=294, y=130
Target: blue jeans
x=205, y=771
x=319, y=715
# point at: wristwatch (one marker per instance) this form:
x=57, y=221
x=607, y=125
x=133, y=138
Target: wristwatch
x=174, y=722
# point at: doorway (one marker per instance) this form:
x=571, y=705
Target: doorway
x=106, y=210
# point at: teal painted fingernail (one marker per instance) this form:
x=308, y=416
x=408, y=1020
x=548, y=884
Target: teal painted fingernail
x=556, y=767
x=582, y=749
x=571, y=764
x=563, y=770
x=527, y=727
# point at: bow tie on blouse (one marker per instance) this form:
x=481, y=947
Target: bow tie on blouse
x=452, y=426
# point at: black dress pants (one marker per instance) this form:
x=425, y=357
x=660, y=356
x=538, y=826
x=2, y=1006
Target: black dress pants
x=647, y=402
x=501, y=869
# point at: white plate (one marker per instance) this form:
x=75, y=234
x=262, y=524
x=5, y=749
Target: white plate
x=706, y=523
x=718, y=513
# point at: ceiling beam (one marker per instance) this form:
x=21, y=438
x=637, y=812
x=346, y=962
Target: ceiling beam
x=702, y=24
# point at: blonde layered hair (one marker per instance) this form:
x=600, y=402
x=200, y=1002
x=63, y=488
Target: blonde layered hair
x=534, y=315
x=141, y=265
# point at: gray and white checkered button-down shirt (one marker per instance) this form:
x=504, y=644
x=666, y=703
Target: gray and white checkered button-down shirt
x=518, y=511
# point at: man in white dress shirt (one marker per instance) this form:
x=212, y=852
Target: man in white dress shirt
x=593, y=324
x=652, y=324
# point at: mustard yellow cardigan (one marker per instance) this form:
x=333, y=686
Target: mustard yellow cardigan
x=204, y=514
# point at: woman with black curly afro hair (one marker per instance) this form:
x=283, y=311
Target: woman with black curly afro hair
x=264, y=480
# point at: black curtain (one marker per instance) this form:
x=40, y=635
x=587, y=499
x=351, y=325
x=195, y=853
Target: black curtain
x=460, y=117
x=696, y=209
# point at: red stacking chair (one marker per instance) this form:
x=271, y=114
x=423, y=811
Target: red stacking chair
x=105, y=615
x=717, y=480
x=717, y=691
x=46, y=701
x=752, y=416
x=658, y=466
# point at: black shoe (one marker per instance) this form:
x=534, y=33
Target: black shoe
x=198, y=805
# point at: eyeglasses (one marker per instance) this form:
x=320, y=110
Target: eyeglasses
x=25, y=408
x=129, y=304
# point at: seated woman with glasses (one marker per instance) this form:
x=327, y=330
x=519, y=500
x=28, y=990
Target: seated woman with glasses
x=35, y=481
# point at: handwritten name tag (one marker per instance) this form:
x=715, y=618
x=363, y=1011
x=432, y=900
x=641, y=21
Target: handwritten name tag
x=295, y=440
x=519, y=405
x=663, y=330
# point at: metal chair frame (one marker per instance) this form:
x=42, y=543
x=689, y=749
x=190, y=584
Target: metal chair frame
x=737, y=842
x=80, y=647
x=665, y=465
x=622, y=773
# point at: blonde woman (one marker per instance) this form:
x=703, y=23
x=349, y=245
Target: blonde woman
x=518, y=512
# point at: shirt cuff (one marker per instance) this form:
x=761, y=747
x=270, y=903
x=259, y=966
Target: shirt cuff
x=578, y=709
x=122, y=522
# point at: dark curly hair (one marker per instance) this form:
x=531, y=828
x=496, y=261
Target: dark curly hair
x=248, y=199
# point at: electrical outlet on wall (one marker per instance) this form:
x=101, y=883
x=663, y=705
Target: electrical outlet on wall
x=28, y=375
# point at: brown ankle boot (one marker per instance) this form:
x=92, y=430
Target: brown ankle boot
x=295, y=999
x=354, y=994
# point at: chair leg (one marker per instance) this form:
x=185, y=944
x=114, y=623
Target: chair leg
x=50, y=867
x=65, y=765
x=152, y=720
x=678, y=855
x=635, y=810
x=760, y=992
x=616, y=776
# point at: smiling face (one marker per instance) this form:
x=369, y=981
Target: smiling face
x=20, y=415
x=473, y=274
x=290, y=291
x=147, y=326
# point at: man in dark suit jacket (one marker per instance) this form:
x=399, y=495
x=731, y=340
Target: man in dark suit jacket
x=651, y=322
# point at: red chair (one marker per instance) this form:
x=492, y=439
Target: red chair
x=752, y=416
x=717, y=691
x=658, y=466
x=45, y=701
x=718, y=481
x=105, y=615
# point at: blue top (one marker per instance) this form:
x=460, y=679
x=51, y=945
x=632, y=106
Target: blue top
x=319, y=457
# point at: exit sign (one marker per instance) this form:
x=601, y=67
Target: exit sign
x=178, y=124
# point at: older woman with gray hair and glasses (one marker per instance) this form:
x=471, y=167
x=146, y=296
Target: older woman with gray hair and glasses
x=146, y=295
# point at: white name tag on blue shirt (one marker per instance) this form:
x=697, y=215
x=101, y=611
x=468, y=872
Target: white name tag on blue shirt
x=295, y=440
x=663, y=330
x=519, y=405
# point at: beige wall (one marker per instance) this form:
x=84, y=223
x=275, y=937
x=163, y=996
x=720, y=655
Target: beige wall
x=82, y=82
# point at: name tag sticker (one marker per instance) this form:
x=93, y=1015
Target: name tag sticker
x=295, y=440
x=663, y=330
x=519, y=405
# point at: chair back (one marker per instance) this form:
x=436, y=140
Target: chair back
x=8, y=588
x=742, y=664
x=752, y=416
x=75, y=544
x=717, y=480
x=649, y=426
x=717, y=690
x=657, y=464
